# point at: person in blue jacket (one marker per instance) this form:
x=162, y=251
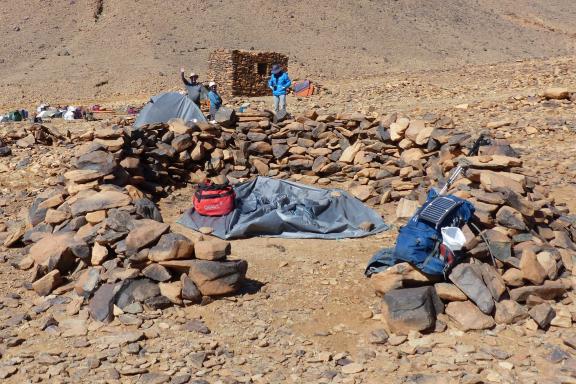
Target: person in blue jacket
x=215, y=100
x=279, y=83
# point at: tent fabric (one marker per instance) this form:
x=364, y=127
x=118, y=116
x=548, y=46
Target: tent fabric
x=281, y=208
x=303, y=88
x=166, y=106
x=299, y=86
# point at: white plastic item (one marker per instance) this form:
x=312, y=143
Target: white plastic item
x=453, y=238
x=69, y=115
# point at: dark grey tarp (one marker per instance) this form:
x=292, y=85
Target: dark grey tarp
x=281, y=208
x=166, y=106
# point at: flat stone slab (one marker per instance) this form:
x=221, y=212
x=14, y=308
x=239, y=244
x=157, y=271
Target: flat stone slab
x=99, y=201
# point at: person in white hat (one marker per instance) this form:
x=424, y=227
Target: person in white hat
x=195, y=89
x=215, y=100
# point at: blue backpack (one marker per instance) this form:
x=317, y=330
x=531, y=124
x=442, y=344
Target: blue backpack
x=419, y=241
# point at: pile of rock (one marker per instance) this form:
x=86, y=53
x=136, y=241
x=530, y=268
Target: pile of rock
x=99, y=235
x=110, y=246
x=532, y=246
x=154, y=158
x=28, y=136
x=379, y=159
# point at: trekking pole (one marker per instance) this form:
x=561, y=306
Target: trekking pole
x=482, y=140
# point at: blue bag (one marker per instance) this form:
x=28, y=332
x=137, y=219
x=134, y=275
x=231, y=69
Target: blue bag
x=419, y=240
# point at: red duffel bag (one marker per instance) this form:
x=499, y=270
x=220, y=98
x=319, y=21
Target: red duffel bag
x=214, y=199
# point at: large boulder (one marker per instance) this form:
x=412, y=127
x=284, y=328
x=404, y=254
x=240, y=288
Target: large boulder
x=172, y=291
x=190, y=291
x=548, y=291
x=147, y=209
x=212, y=249
x=467, y=316
x=513, y=277
x=225, y=117
x=531, y=269
x=87, y=282
x=493, y=280
x=157, y=272
x=398, y=128
x=548, y=261
x=47, y=283
x=145, y=232
x=414, y=129
x=36, y=214
x=56, y=251
x=138, y=290
x=509, y=312
x=401, y=275
x=350, y=152
x=411, y=309
x=119, y=221
x=542, y=314
x=101, y=305
x=449, y=292
x=172, y=246
x=468, y=277
x=182, y=142
x=98, y=201
x=100, y=161
x=510, y=218
x=215, y=278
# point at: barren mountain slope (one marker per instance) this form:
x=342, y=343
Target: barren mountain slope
x=60, y=50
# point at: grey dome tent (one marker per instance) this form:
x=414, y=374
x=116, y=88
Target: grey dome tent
x=166, y=106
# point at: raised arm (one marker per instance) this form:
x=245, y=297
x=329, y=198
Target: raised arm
x=184, y=80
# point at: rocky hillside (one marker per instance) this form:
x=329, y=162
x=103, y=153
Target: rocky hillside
x=61, y=50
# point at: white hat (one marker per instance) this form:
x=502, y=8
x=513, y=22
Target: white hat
x=193, y=74
x=211, y=84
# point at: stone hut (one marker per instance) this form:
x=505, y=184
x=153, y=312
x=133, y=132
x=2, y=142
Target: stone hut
x=243, y=73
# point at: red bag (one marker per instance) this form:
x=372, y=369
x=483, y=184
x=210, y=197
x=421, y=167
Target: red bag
x=214, y=199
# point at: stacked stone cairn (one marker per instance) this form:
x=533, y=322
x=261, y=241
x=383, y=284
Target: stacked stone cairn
x=102, y=236
x=514, y=272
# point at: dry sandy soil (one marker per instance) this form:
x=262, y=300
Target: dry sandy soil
x=66, y=50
